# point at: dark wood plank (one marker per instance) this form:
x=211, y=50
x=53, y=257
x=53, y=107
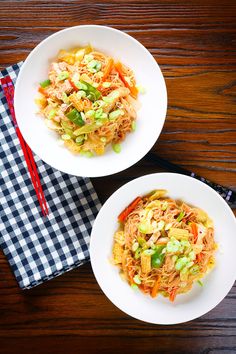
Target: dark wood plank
x=194, y=43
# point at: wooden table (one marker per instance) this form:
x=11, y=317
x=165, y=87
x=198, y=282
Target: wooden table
x=194, y=44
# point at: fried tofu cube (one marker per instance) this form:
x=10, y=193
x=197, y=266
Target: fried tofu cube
x=117, y=253
x=145, y=263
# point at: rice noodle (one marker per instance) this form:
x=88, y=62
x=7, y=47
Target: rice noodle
x=108, y=81
x=173, y=218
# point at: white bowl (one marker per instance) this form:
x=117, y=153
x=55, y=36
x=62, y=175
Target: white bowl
x=122, y=47
x=187, y=306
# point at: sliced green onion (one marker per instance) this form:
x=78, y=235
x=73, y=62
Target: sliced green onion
x=94, y=66
x=135, y=246
x=180, y=216
x=137, y=280
x=189, y=264
x=87, y=153
x=192, y=255
x=158, y=257
x=63, y=75
x=79, y=140
x=75, y=117
x=184, y=270
x=81, y=94
x=52, y=114
x=181, y=262
x=65, y=98
x=168, y=226
x=173, y=245
x=98, y=104
x=145, y=228
x=185, y=243
x=184, y=274
x=137, y=253
x=115, y=114
x=164, y=206
x=149, y=252
x=134, y=286
x=108, y=99
x=81, y=85
x=160, y=225
x=106, y=84
x=103, y=139
x=133, y=126
x=65, y=137
x=141, y=241
x=116, y=148
x=194, y=269
x=199, y=282
x=88, y=58
x=45, y=83
x=98, y=113
x=90, y=114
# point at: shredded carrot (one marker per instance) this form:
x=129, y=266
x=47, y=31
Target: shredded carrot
x=155, y=288
x=199, y=257
x=107, y=69
x=73, y=85
x=194, y=231
x=173, y=294
x=145, y=289
x=130, y=273
x=42, y=91
x=123, y=215
x=133, y=89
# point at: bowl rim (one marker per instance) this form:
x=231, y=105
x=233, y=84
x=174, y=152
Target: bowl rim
x=93, y=236
x=116, y=167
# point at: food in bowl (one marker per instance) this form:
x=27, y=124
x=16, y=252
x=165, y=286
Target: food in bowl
x=89, y=100
x=163, y=245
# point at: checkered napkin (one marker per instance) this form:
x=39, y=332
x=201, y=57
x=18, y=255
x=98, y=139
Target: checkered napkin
x=40, y=248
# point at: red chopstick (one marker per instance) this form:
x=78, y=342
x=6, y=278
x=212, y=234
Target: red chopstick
x=8, y=89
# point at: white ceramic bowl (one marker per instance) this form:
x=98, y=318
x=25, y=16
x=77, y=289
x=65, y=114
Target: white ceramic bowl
x=187, y=306
x=122, y=47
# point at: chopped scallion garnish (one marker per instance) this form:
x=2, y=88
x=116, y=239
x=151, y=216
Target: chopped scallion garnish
x=45, y=83
x=116, y=148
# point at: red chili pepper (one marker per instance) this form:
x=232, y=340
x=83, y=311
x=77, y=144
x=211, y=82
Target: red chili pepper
x=123, y=215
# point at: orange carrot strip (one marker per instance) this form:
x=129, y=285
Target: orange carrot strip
x=73, y=85
x=199, y=257
x=42, y=91
x=173, y=294
x=123, y=215
x=133, y=89
x=145, y=289
x=108, y=69
x=155, y=288
x=194, y=231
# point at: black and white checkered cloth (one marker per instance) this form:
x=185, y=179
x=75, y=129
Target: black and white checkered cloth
x=39, y=248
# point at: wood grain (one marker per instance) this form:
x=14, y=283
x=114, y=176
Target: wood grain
x=194, y=43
